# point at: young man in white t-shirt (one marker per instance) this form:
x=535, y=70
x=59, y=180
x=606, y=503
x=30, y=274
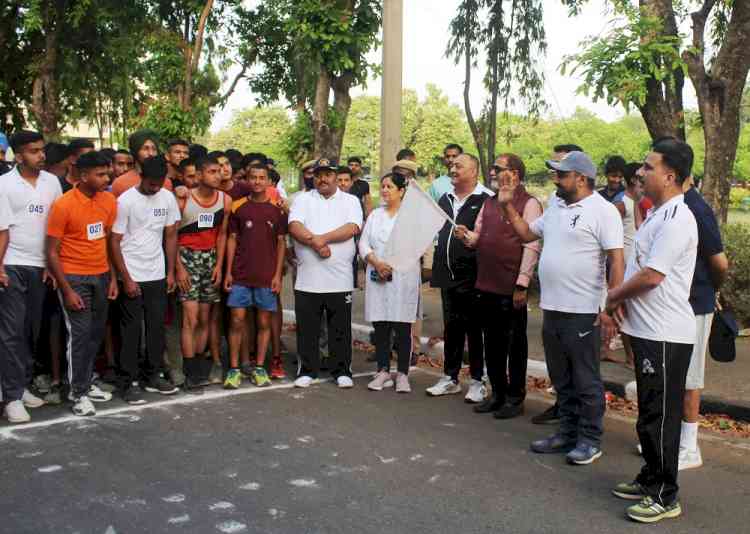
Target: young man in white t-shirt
x=144, y=229
x=581, y=230
x=29, y=193
x=653, y=308
x=323, y=223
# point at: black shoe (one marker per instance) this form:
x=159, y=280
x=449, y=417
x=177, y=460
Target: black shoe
x=550, y=416
x=509, y=411
x=489, y=405
x=192, y=387
x=132, y=396
x=553, y=444
x=161, y=386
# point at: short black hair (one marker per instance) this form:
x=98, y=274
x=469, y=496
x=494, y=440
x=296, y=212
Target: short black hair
x=177, y=142
x=270, y=161
x=615, y=164
x=274, y=175
x=235, y=158
x=630, y=172
x=22, y=138
x=55, y=153
x=344, y=170
x=453, y=146
x=92, y=160
x=676, y=154
x=78, y=144
x=405, y=153
x=203, y=162
x=154, y=168
x=259, y=166
x=196, y=151
x=109, y=152
x=354, y=159
x=398, y=179
x=123, y=152
x=254, y=156
x=187, y=162
x=216, y=154
x=567, y=148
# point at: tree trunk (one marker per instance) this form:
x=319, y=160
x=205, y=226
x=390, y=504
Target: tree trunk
x=342, y=102
x=193, y=55
x=719, y=94
x=663, y=111
x=44, y=102
x=476, y=132
x=322, y=139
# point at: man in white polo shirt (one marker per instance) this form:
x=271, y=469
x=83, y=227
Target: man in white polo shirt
x=29, y=191
x=580, y=230
x=653, y=308
x=323, y=223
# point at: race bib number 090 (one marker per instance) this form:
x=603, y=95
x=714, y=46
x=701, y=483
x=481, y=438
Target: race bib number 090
x=95, y=231
x=205, y=220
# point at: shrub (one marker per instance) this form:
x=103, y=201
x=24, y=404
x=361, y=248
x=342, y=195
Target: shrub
x=736, y=290
x=736, y=196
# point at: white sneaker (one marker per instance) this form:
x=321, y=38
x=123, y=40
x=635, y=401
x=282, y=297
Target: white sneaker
x=82, y=406
x=96, y=394
x=16, y=412
x=30, y=400
x=381, y=380
x=444, y=386
x=402, y=383
x=689, y=459
x=303, y=382
x=477, y=392
x=345, y=382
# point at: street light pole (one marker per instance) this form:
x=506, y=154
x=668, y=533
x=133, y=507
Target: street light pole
x=390, y=107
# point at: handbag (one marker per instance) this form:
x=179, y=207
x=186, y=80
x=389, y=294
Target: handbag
x=721, y=342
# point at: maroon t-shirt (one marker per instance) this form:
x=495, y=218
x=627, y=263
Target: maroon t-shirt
x=238, y=190
x=257, y=226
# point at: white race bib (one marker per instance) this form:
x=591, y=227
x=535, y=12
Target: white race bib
x=35, y=209
x=205, y=220
x=95, y=231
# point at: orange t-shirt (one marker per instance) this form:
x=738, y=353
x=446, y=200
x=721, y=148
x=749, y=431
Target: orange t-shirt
x=82, y=225
x=131, y=179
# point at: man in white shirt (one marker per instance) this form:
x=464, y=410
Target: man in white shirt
x=145, y=227
x=580, y=230
x=323, y=223
x=654, y=310
x=29, y=193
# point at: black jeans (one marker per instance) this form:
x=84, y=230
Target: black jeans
x=309, y=308
x=505, y=347
x=85, y=328
x=383, y=344
x=571, y=348
x=20, y=323
x=150, y=307
x=660, y=372
x=461, y=320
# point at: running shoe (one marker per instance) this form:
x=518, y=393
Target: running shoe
x=649, y=511
x=260, y=378
x=277, y=369
x=82, y=406
x=233, y=380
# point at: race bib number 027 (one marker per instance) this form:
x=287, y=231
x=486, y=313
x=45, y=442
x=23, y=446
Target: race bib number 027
x=205, y=220
x=95, y=231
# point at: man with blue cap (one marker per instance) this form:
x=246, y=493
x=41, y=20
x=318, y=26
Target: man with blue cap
x=4, y=166
x=581, y=231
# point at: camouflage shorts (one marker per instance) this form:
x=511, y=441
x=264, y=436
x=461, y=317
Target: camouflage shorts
x=200, y=265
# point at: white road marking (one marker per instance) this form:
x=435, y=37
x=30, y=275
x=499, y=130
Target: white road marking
x=177, y=497
x=230, y=527
x=49, y=468
x=32, y=454
x=304, y=483
x=385, y=460
x=221, y=505
x=433, y=479
x=251, y=486
x=416, y=457
x=281, y=447
x=178, y=519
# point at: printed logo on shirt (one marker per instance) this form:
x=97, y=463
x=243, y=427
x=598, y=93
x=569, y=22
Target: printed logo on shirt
x=249, y=224
x=205, y=220
x=574, y=220
x=95, y=231
x=36, y=209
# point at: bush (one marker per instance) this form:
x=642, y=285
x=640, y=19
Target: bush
x=736, y=196
x=736, y=290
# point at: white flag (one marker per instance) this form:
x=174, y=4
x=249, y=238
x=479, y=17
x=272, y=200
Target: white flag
x=419, y=221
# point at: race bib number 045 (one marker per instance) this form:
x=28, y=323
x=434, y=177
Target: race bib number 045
x=95, y=231
x=205, y=220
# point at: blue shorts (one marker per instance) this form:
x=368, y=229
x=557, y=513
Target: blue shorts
x=259, y=297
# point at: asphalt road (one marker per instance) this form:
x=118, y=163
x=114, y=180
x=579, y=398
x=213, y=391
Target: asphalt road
x=324, y=460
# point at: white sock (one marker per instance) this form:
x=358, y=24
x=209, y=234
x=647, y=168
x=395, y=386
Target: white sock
x=689, y=436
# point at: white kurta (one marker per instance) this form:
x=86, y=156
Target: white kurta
x=397, y=300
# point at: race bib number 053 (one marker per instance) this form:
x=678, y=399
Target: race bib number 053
x=95, y=231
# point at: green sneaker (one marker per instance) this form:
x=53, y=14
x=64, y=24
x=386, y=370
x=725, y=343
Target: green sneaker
x=649, y=511
x=631, y=491
x=260, y=377
x=233, y=380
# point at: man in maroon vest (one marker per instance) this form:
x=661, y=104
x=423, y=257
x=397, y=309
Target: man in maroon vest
x=505, y=267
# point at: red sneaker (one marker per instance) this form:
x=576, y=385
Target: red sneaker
x=277, y=369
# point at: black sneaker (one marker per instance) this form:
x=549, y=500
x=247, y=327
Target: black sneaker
x=161, y=386
x=191, y=387
x=131, y=395
x=488, y=405
x=509, y=411
x=550, y=416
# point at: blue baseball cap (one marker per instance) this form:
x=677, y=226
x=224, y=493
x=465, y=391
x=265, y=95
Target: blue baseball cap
x=3, y=142
x=574, y=161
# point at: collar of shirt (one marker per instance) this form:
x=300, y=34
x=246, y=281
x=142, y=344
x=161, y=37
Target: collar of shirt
x=478, y=190
x=677, y=199
x=334, y=196
x=562, y=204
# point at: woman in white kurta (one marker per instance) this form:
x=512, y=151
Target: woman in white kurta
x=391, y=296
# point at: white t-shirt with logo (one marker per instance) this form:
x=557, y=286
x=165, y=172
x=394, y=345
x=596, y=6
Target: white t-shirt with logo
x=141, y=220
x=29, y=208
x=576, y=240
x=321, y=215
x=666, y=242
